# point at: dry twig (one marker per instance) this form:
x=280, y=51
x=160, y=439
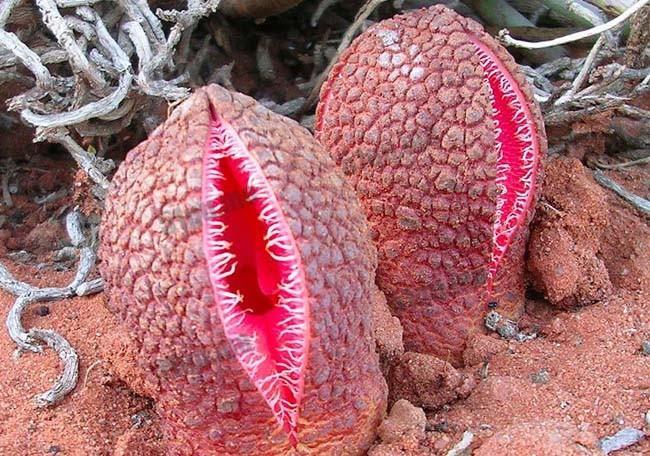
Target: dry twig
x=584, y=71
x=461, y=447
x=28, y=340
x=627, y=164
x=639, y=203
x=506, y=39
x=98, y=40
x=365, y=11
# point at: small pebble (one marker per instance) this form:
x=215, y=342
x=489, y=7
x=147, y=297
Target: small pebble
x=441, y=426
x=541, y=377
x=505, y=328
x=54, y=449
x=645, y=346
x=622, y=439
x=42, y=311
x=139, y=419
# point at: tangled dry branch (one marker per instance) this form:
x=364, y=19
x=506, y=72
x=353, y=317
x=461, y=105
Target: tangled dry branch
x=28, y=340
x=96, y=42
x=83, y=83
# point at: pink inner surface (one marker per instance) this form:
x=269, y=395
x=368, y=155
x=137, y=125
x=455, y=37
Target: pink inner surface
x=518, y=153
x=256, y=274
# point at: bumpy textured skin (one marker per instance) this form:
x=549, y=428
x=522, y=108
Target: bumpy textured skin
x=255, y=8
x=157, y=282
x=406, y=114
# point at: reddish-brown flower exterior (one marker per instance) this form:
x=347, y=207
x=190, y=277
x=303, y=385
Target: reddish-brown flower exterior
x=407, y=115
x=158, y=284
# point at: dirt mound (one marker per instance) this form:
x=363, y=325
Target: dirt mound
x=565, y=241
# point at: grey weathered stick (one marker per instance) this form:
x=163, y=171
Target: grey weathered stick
x=6, y=8
x=67, y=381
x=81, y=26
x=287, y=108
x=118, y=56
x=600, y=104
x=139, y=39
x=627, y=164
x=75, y=3
x=183, y=20
x=28, y=58
x=123, y=40
x=125, y=108
x=86, y=112
x=132, y=11
x=584, y=16
x=11, y=285
x=539, y=80
x=612, y=7
x=87, y=259
x=91, y=287
x=634, y=112
x=584, y=71
x=103, y=63
x=615, y=71
x=320, y=9
x=26, y=295
x=15, y=327
x=643, y=86
x=6, y=193
x=50, y=198
x=64, y=36
x=83, y=158
x=12, y=76
x=73, y=227
x=264, y=59
x=49, y=56
x=152, y=21
x=365, y=11
x=460, y=447
x=641, y=204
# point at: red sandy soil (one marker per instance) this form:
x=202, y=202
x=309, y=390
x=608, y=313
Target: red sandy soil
x=582, y=378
